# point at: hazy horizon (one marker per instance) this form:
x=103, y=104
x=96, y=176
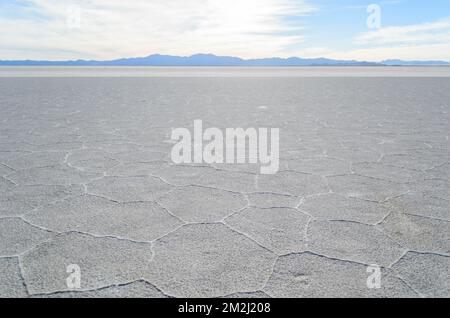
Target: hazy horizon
x=249, y=29
x=212, y=60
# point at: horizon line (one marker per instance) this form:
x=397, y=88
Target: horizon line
x=381, y=62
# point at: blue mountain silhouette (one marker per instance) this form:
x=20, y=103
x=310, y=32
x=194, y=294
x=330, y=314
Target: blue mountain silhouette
x=213, y=60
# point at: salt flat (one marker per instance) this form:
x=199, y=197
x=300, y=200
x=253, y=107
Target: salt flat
x=160, y=71
x=86, y=179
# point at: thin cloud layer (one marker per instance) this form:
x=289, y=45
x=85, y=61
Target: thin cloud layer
x=62, y=29
x=110, y=29
x=435, y=32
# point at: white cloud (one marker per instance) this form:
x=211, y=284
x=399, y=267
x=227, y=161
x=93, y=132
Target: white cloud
x=404, y=52
x=116, y=28
x=247, y=28
x=435, y=32
x=426, y=41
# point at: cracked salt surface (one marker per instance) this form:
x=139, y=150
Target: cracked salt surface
x=85, y=178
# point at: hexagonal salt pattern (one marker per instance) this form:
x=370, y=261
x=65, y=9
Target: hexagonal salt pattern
x=208, y=260
x=140, y=221
x=353, y=241
x=310, y=275
x=281, y=230
x=87, y=179
x=102, y=262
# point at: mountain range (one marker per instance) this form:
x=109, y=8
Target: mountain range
x=213, y=60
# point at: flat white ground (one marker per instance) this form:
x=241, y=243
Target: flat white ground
x=86, y=179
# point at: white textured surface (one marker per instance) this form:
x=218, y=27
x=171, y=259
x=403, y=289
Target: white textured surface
x=85, y=179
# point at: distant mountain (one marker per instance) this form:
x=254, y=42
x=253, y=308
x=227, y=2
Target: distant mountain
x=213, y=60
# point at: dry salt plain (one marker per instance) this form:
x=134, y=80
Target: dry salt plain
x=86, y=179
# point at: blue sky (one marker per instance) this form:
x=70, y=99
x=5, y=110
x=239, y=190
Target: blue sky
x=107, y=29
